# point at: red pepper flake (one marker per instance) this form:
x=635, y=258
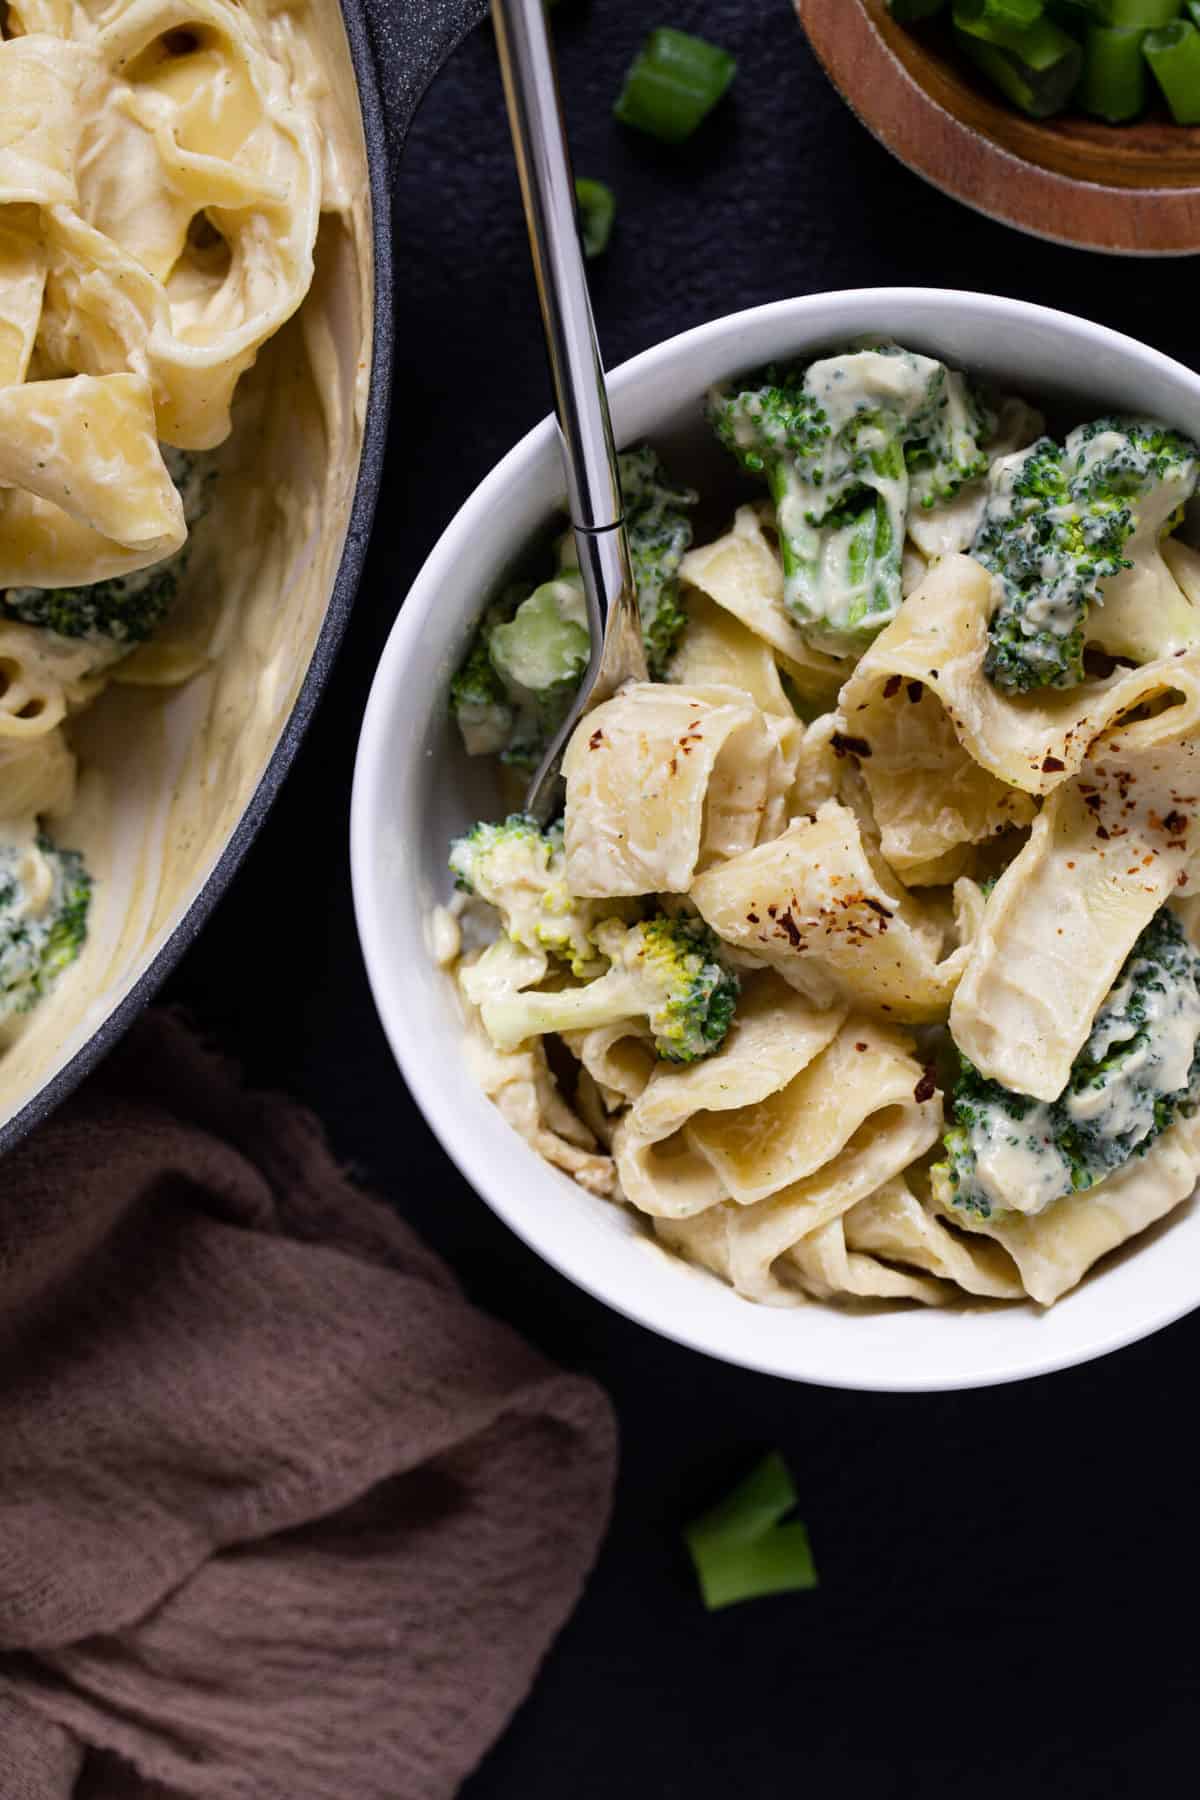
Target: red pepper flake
x=914, y=690
x=787, y=925
x=596, y=739
x=849, y=746
x=1092, y=800
x=753, y=918
x=860, y=1046
x=1176, y=824
x=877, y=906
x=890, y=687
x=1101, y=833
x=1070, y=865
x=926, y=1088
x=1052, y=764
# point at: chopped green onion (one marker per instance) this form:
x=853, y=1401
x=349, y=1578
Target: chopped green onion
x=909, y=12
x=1128, y=14
x=597, y=209
x=673, y=83
x=1037, y=72
x=997, y=20
x=1174, y=55
x=742, y=1549
x=1114, y=73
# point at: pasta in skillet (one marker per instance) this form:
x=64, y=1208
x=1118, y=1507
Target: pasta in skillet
x=866, y=937
x=160, y=190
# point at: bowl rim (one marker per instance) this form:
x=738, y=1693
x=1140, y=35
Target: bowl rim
x=368, y=479
x=433, y=1093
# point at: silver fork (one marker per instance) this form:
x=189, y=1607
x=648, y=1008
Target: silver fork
x=580, y=397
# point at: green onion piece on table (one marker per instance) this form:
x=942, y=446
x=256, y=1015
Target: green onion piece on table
x=1114, y=80
x=597, y=209
x=911, y=12
x=1037, y=69
x=673, y=83
x=997, y=21
x=743, y=1549
x=1174, y=55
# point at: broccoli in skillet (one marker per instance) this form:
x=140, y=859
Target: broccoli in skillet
x=44, y=899
x=116, y=615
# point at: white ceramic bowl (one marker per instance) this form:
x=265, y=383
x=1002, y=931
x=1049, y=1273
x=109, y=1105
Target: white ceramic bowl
x=414, y=788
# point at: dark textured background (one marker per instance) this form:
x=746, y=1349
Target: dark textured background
x=1009, y=1577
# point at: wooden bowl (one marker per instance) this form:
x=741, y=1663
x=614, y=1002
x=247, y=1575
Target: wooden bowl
x=1130, y=189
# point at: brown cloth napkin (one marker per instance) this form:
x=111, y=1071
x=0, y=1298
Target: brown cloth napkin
x=280, y=1513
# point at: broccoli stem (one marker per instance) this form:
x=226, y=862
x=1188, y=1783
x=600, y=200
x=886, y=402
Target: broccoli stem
x=510, y=1021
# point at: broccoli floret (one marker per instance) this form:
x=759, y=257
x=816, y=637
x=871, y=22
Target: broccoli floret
x=44, y=898
x=1139, y=1068
x=116, y=615
x=1057, y=525
x=659, y=535
x=478, y=697
x=521, y=672
x=544, y=648
x=840, y=444
x=521, y=871
x=666, y=970
x=949, y=451
x=529, y=655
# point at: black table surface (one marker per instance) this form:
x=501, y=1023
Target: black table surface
x=1007, y=1576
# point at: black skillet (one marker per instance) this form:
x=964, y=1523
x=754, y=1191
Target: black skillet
x=397, y=47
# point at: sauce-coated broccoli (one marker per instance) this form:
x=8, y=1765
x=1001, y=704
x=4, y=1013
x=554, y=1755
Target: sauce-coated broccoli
x=660, y=534
x=1056, y=526
x=44, y=898
x=1137, y=1070
x=667, y=971
x=847, y=447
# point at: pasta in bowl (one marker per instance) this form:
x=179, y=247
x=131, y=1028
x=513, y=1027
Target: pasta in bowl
x=185, y=322
x=859, y=970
